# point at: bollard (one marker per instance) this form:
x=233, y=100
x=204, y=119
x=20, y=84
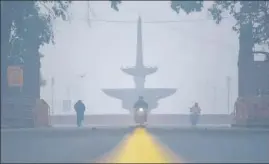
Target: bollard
x=41, y=114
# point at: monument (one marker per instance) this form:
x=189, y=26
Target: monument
x=129, y=96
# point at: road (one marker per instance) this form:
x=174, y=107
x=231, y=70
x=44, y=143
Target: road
x=216, y=146
x=58, y=145
x=88, y=145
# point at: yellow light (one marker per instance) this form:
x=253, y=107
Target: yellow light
x=141, y=147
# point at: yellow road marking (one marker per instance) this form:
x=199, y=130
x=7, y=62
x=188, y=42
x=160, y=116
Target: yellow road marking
x=141, y=147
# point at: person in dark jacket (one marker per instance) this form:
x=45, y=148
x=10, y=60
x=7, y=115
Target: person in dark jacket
x=141, y=103
x=80, y=109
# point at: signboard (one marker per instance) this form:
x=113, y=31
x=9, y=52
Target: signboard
x=67, y=105
x=15, y=76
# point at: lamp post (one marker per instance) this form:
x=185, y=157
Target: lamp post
x=228, y=79
x=71, y=87
x=52, y=95
x=214, y=97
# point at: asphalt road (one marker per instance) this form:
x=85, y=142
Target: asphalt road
x=216, y=145
x=63, y=145
x=86, y=145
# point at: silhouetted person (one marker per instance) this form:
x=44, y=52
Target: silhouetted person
x=141, y=103
x=80, y=109
x=195, y=113
x=195, y=109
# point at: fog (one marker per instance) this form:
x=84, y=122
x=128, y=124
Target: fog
x=194, y=56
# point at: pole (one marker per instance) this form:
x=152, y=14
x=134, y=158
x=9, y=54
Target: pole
x=68, y=93
x=88, y=14
x=2, y=7
x=52, y=95
x=81, y=86
x=68, y=99
x=214, y=98
x=228, y=93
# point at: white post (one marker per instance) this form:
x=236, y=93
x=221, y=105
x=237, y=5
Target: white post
x=68, y=97
x=228, y=93
x=68, y=93
x=88, y=14
x=214, y=98
x=52, y=95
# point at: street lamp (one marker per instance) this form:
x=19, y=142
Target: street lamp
x=71, y=86
x=52, y=95
x=228, y=79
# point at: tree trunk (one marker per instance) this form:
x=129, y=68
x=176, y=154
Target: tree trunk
x=31, y=86
x=5, y=47
x=246, y=67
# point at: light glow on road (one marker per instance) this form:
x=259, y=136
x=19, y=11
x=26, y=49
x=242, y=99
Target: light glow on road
x=141, y=147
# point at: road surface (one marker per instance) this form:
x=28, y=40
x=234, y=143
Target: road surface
x=58, y=145
x=216, y=146
x=93, y=145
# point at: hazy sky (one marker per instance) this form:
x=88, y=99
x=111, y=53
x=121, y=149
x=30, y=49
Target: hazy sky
x=193, y=56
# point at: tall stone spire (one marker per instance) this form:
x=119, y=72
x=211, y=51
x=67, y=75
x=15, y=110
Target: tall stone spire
x=129, y=96
x=139, y=44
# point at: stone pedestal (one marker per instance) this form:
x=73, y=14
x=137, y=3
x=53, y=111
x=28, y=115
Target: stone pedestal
x=17, y=112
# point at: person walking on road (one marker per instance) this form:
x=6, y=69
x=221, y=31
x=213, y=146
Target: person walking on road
x=80, y=109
